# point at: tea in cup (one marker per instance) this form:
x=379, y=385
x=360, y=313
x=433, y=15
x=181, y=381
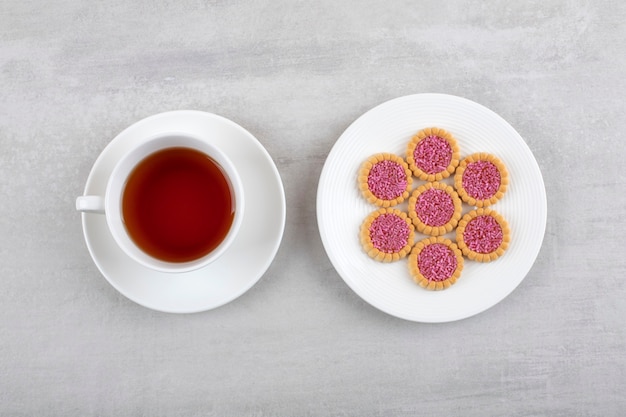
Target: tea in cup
x=173, y=203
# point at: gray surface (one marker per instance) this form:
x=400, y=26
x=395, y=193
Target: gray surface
x=296, y=74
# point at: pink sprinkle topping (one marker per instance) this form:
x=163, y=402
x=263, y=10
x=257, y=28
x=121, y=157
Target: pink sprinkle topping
x=432, y=154
x=387, y=180
x=483, y=234
x=437, y=262
x=481, y=179
x=434, y=207
x=389, y=233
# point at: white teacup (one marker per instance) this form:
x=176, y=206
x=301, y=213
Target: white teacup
x=111, y=204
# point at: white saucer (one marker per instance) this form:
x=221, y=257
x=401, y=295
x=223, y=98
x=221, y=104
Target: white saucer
x=241, y=266
x=341, y=209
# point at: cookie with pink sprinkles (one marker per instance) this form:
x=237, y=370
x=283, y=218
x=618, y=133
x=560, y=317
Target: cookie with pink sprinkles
x=483, y=235
x=481, y=179
x=435, y=208
x=435, y=263
x=385, y=179
x=387, y=235
x=433, y=154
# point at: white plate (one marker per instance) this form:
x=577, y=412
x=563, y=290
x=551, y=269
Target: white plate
x=341, y=209
x=241, y=266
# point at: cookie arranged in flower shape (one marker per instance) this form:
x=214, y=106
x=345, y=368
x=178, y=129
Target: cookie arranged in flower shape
x=435, y=263
x=435, y=208
x=483, y=235
x=385, y=179
x=387, y=235
x=433, y=154
x=481, y=179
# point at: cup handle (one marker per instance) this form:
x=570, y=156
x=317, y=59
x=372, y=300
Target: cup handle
x=90, y=204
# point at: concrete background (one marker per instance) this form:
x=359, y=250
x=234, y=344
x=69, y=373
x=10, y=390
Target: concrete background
x=296, y=73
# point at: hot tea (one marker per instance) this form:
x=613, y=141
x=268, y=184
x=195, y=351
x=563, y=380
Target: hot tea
x=178, y=205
